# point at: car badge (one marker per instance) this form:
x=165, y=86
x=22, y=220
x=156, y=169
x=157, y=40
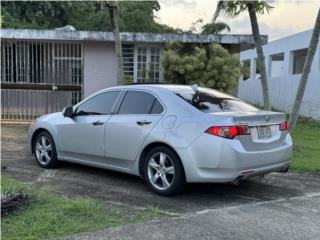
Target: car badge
x=267, y=118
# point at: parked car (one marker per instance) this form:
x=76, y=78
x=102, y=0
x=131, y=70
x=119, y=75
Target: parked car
x=168, y=134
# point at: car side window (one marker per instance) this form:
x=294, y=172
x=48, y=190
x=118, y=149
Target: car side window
x=137, y=102
x=98, y=105
x=157, y=107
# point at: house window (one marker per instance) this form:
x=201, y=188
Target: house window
x=128, y=59
x=155, y=64
x=22, y=61
x=298, y=59
x=67, y=63
x=142, y=71
x=76, y=97
x=147, y=64
x=257, y=69
x=76, y=73
x=14, y=62
x=141, y=63
x=276, y=65
x=6, y=62
x=246, y=71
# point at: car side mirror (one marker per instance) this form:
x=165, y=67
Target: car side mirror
x=68, y=112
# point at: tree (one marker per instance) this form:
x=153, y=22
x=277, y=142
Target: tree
x=134, y=16
x=233, y=9
x=208, y=28
x=113, y=13
x=207, y=65
x=215, y=27
x=305, y=73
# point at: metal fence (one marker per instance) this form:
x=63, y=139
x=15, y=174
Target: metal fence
x=39, y=77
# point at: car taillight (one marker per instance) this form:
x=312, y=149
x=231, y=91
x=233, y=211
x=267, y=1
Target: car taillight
x=284, y=126
x=228, y=131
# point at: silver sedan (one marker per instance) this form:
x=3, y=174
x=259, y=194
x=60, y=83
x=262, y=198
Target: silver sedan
x=168, y=134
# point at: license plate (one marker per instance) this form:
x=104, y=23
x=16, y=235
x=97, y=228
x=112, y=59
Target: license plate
x=264, y=132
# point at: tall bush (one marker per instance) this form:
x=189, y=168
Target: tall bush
x=207, y=65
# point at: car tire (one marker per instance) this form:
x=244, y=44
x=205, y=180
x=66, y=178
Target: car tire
x=163, y=171
x=45, y=151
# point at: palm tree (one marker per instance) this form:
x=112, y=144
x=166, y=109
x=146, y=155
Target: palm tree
x=233, y=9
x=305, y=72
x=113, y=13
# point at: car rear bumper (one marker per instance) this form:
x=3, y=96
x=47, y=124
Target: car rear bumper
x=222, y=160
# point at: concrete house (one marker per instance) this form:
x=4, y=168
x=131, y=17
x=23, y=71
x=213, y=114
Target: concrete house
x=284, y=61
x=43, y=71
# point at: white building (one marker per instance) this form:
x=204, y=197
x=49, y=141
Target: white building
x=284, y=62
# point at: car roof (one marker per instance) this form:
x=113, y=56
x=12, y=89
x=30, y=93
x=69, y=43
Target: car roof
x=170, y=87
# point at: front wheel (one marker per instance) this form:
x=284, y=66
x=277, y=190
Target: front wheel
x=45, y=150
x=163, y=171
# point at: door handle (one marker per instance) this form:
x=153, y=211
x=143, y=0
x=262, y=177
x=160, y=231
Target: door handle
x=143, y=122
x=97, y=123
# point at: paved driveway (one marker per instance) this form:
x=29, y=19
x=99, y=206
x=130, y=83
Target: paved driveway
x=280, y=206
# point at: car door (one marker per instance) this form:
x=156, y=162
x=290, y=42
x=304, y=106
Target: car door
x=126, y=131
x=82, y=136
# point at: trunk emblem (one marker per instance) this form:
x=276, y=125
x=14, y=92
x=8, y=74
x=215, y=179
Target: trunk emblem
x=267, y=118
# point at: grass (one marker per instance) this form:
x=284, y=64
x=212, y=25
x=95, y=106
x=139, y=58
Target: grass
x=50, y=216
x=306, y=145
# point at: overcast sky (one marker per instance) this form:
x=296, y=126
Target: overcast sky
x=287, y=17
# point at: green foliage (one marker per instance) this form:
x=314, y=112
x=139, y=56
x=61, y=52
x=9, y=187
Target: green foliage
x=234, y=8
x=306, y=150
x=215, y=27
x=208, y=28
x=127, y=79
x=134, y=16
x=207, y=65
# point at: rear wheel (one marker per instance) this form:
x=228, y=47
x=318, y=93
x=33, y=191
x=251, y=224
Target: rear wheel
x=45, y=150
x=163, y=171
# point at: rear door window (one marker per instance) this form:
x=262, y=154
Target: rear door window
x=138, y=102
x=210, y=101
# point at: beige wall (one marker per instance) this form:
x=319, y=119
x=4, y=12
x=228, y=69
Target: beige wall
x=100, y=66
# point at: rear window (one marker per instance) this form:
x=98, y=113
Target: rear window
x=137, y=102
x=210, y=101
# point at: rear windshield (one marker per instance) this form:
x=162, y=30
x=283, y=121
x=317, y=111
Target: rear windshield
x=210, y=101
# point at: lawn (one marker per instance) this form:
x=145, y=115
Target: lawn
x=306, y=145
x=50, y=216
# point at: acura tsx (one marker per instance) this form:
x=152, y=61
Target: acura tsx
x=168, y=134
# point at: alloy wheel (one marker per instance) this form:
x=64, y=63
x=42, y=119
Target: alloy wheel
x=161, y=171
x=44, y=150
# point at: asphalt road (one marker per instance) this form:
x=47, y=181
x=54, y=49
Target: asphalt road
x=280, y=206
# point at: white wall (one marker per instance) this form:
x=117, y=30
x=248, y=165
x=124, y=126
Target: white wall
x=100, y=66
x=283, y=88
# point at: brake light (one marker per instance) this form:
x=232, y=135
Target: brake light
x=228, y=131
x=284, y=126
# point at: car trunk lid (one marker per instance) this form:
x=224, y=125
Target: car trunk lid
x=264, y=128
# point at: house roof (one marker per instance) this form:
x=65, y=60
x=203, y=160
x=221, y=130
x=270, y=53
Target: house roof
x=29, y=34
